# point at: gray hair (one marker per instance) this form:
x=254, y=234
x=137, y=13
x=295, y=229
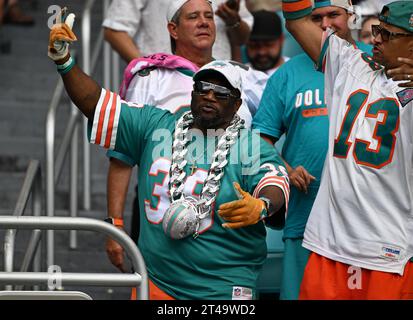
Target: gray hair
x=175, y=19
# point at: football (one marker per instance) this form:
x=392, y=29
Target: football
x=181, y=219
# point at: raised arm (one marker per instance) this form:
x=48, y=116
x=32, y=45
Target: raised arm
x=298, y=23
x=82, y=89
x=237, y=29
x=122, y=43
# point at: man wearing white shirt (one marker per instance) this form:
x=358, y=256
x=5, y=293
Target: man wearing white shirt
x=136, y=28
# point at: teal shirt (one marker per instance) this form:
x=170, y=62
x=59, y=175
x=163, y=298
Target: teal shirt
x=219, y=260
x=293, y=103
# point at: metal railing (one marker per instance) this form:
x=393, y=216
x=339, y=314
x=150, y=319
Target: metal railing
x=70, y=138
x=32, y=185
x=44, y=295
x=86, y=32
x=137, y=279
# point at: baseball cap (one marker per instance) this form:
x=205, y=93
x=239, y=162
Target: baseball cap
x=174, y=6
x=399, y=14
x=345, y=4
x=227, y=69
x=267, y=26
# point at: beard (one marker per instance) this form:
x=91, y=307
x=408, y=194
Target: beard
x=208, y=122
x=203, y=121
x=264, y=62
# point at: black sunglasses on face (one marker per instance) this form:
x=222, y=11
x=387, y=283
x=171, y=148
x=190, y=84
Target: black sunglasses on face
x=202, y=88
x=386, y=35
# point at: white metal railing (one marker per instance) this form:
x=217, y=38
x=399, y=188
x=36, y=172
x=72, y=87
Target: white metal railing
x=138, y=279
x=110, y=80
x=44, y=295
x=54, y=168
x=86, y=32
x=54, y=165
x=32, y=185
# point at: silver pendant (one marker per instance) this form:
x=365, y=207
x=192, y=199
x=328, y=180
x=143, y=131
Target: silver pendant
x=181, y=219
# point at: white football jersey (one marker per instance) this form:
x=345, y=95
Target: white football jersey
x=363, y=214
x=167, y=89
x=253, y=85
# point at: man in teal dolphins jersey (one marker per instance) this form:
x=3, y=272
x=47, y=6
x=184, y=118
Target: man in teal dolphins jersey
x=166, y=81
x=293, y=103
x=202, y=226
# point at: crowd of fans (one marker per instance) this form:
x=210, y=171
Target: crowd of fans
x=182, y=63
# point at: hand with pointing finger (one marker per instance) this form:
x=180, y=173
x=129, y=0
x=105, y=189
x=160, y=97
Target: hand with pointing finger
x=61, y=35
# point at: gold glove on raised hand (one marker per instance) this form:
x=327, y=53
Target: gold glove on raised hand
x=241, y=213
x=61, y=35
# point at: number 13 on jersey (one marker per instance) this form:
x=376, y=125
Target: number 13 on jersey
x=384, y=131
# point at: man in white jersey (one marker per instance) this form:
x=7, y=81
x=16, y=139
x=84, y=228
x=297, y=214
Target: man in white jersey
x=166, y=81
x=360, y=229
x=136, y=28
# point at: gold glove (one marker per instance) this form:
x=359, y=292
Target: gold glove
x=61, y=35
x=241, y=213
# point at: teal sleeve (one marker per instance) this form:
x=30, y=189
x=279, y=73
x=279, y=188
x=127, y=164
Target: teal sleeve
x=259, y=159
x=268, y=156
x=304, y=9
x=120, y=156
x=271, y=173
x=135, y=126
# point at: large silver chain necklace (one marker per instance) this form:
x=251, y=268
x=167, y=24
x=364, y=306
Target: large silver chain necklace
x=184, y=215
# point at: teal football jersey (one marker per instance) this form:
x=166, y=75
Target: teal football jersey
x=220, y=263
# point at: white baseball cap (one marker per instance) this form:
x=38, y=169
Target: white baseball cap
x=174, y=6
x=345, y=4
x=227, y=69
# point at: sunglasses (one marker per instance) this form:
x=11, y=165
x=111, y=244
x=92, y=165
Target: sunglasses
x=386, y=35
x=202, y=88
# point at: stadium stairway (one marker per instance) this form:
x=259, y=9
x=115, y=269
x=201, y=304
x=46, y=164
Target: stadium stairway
x=27, y=81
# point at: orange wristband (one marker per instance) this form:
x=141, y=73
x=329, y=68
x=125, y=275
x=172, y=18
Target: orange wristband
x=118, y=222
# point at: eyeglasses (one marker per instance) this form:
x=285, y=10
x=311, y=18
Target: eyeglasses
x=386, y=35
x=202, y=88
